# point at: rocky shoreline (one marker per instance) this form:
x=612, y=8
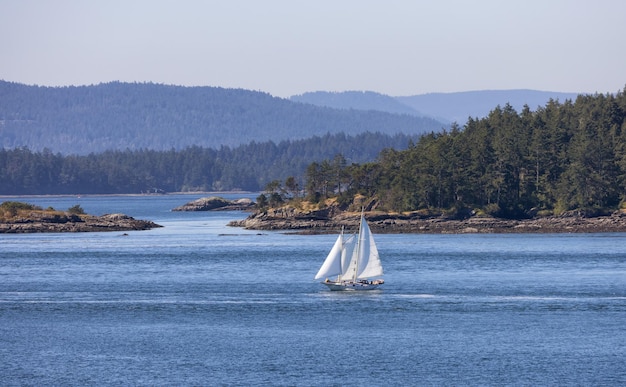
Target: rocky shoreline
x=382, y=223
x=46, y=221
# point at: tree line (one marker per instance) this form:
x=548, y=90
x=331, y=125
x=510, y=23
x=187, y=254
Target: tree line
x=248, y=167
x=561, y=157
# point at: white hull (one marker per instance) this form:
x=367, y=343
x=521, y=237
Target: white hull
x=353, y=286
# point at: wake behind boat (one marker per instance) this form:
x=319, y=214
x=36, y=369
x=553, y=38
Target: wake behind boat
x=354, y=261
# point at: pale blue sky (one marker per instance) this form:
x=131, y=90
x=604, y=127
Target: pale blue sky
x=287, y=47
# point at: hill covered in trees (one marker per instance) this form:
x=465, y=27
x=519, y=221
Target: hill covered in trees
x=248, y=167
x=119, y=116
x=359, y=100
x=561, y=157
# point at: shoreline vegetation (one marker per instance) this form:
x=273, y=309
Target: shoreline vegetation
x=385, y=223
x=307, y=219
x=21, y=218
x=304, y=218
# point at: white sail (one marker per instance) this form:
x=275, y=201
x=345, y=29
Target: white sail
x=348, y=258
x=332, y=264
x=349, y=244
x=369, y=264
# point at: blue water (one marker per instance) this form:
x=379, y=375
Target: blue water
x=198, y=303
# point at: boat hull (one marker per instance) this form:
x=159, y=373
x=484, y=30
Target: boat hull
x=353, y=286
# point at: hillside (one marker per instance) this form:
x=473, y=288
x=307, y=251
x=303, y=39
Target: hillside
x=562, y=159
x=359, y=100
x=246, y=167
x=118, y=116
x=444, y=107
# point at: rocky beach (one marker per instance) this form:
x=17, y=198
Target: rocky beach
x=318, y=223
x=55, y=221
x=331, y=219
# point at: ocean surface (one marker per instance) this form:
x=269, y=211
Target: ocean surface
x=199, y=303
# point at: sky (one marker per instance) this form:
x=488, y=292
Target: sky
x=288, y=47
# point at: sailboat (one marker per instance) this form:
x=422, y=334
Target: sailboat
x=354, y=261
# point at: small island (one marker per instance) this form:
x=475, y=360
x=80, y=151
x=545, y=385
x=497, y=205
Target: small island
x=18, y=218
x=216, y=203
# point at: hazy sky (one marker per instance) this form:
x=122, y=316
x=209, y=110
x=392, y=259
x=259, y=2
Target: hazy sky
x=287, y=47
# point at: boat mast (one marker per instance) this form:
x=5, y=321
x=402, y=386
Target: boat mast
x=358, y=247
x=341, y=258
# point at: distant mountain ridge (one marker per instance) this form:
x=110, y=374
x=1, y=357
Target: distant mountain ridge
x=458, y=107
x=444, y=107
x=360, y=100
x=118, y=116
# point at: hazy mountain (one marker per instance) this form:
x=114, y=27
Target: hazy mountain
x=360, y=100
x=445, y=107
x=116, y=115
x=458, y=107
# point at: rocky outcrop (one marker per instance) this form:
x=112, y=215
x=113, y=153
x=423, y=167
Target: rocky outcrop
x=54, y=221
x=215, y=203
x=292, y=220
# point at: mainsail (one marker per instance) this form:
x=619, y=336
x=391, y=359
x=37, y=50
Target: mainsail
x=365, y=262
x=369, y=264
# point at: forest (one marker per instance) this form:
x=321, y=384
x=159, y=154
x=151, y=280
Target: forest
x=561, y=157
x=248, y=167
x=564, y=156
